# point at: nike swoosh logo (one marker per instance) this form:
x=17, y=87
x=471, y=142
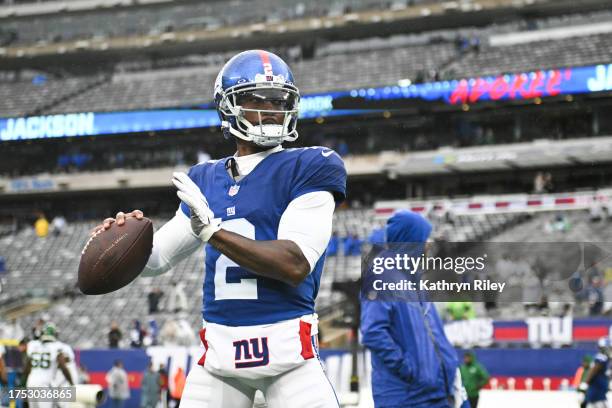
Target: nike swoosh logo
x=327, y=154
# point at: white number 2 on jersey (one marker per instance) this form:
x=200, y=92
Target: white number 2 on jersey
x=246, y=288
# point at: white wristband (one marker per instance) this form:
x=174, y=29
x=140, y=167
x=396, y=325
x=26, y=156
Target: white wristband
x=210, y=229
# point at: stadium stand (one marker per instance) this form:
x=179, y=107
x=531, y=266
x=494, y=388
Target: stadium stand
x=153, y=89
x=339, y=66
x=101, y=19
x=174, y=17
x=543, y=232
x=542, y=54
x=38, y=266
x=36, y=271
x=166, y=88
x=28, y=97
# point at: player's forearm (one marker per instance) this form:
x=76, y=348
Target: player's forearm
x=171, y=244
x=592, y=373
x=67, y=374
x=26, y=370
x=280, y=259
x=3, y=378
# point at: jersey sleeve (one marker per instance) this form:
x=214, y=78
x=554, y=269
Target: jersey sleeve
x=296, y=224
x=172, y=243
x=67, y=351
x=320, y=169
x=600, y=358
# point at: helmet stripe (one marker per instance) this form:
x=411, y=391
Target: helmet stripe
x=267, y=66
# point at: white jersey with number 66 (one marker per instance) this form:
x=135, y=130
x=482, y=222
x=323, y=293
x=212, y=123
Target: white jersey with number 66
x=45, y=371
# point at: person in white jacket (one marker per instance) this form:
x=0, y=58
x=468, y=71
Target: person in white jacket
x=177, y=301
x=118, y=385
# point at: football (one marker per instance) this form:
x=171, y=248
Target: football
x=114, y=257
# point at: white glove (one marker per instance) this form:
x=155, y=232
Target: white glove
x=203, y=223
x=582, y=390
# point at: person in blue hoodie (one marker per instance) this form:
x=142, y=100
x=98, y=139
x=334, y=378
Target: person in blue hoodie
x=377, y=236
x=348, y=245
x=332, y=247
x=413, y=363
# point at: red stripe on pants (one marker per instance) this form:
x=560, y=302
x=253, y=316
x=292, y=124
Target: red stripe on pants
x=305, y=339
x=202, y=359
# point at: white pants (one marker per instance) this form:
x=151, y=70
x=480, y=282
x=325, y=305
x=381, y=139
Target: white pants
x=303, y=387
x=48, y=404
x=598, y=404
x=39, y=404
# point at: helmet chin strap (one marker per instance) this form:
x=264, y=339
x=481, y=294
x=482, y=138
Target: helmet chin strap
x=262, y=135
x=258, y=139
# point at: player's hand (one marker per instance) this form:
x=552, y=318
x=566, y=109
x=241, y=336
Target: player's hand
x=119, y=219
x=582, y=389
x=203, y=221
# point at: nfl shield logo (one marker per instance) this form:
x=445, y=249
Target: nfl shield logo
x=233, y=190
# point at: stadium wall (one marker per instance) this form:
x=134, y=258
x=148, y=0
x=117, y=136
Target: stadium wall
x=528, y=368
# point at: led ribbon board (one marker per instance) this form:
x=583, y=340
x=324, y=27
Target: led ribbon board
x=528, y=85
x=108, y=123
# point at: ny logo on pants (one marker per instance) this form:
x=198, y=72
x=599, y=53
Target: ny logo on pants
x=251, y=353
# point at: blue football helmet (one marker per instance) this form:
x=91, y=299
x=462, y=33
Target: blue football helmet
x=605, y=345
x=266, y=77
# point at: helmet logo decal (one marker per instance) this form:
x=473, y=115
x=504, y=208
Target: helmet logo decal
x=267, y=78
x=268, y=71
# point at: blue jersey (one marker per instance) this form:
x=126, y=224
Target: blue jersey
x=598, y=388
x=253, y=207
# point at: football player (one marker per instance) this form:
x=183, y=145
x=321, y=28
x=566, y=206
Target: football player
x=596, y=382
x=49, y=363
x=266, y=217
